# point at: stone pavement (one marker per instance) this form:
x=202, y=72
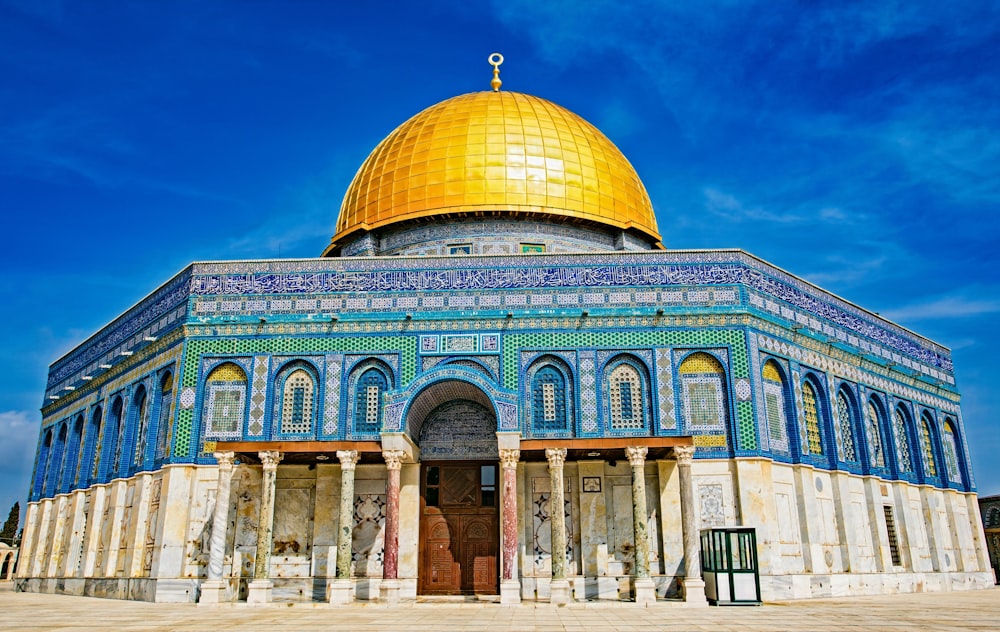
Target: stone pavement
x=974, y=610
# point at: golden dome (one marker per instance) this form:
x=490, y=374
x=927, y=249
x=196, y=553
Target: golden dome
x=495, y=153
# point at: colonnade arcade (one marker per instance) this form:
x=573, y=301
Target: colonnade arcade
x=395, y=450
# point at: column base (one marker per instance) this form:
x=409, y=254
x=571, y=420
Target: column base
x=560, y=592
x=389, y=591
x=694, y=592
x=214, y=591
x=510, y=592
x=259, y=592
x=340, y=591
x=645, y=591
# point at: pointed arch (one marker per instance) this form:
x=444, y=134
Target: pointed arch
x=225, y=405
x=901, y=439
x=69, y=478
x=549, y=405
x=703, y=397
x=140, y=413
x=812, y=408
x=775, y=388
x=58, y=462
x=368, y=391
x=927, y=451
x=847, y=416
x=626, y=383
x=42, y=469
x=92, y=454
x=949, y=445
x=296, y=404
x=116, y=427
x=874, y=418
x=368, y=383
x=165, y=416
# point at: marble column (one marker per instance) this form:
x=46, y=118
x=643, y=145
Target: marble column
x=694, y=586
x=215, y=590
x=557, y=520
x=259, y=590
x=389, y=588
x=510, y=586
x=341, y=589
x=645, y=588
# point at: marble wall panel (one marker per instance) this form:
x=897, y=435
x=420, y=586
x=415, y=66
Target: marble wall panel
x=325, y=518
x=294, y=502
x=176, y=489
x=198, y=534
x=368, y=535
x=247, y=489
x=672, y=551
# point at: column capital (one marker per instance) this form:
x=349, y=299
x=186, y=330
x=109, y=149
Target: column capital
x=636, y=455
x=348, y=459
x=393, y=458
x=270, y=460
x=509, y=458
x=683, y=454
x=555, y=456
x=225, y=459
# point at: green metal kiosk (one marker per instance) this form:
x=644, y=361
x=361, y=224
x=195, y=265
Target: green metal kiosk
x=729, y=566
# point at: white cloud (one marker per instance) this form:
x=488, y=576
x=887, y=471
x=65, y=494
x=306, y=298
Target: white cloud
x=944, y=308
x=19, y=430
x=727, y=205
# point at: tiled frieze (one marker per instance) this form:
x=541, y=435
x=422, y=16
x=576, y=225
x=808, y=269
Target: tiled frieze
x=634, y=269
x=852, y=372
x=155, y=316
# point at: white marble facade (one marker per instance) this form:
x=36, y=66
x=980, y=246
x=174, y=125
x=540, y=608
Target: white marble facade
x=819, y=533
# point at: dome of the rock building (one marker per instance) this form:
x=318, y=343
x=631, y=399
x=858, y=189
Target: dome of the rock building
x=496, y=154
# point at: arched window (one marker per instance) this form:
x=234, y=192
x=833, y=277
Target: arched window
x=368, y=393
x=58, y=461
x=774, y=406
x=810, y=414
x=94, y=440
x=118, y=430
x=163, y=423
x=993, y=518
x=927, y=443
x=297, y=402
x=140, y=406
x=845, y=422
x=950, y=452
x=548, y=400
x=625, y=398
x=902, y=438
x=873, y=420
x=42, y=471
x=72, y=455
x=703, y=395
x=226, y=401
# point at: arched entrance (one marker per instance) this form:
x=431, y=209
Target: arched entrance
x=459, y=498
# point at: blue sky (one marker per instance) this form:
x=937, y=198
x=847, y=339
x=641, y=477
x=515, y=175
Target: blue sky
x=855, y=144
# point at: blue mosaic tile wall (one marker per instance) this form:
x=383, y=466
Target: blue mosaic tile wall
x=487, y=320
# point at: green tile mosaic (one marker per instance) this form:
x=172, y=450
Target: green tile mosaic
x=282, y=343
x=735, y=339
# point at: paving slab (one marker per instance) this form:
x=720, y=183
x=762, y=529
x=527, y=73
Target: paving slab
x=972, y=610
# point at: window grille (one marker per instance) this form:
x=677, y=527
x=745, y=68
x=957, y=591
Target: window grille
x=890, y=525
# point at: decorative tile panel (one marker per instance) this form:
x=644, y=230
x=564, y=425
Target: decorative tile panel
x=258, y=396
x=331, y=405
x=665, y=388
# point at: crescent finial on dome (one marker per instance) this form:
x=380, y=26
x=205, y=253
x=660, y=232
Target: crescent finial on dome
x=495, y=60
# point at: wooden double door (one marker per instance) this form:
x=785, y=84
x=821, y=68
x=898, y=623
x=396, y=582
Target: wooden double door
x=459, y=529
